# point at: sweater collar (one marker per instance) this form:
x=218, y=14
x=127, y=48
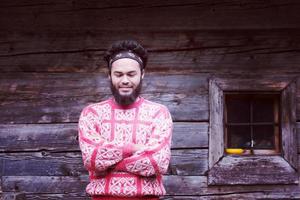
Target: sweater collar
x=137, y=102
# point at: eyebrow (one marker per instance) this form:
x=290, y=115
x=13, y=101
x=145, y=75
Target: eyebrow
x=130, y=72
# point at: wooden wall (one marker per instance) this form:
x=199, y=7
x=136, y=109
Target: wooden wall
x=51, y=67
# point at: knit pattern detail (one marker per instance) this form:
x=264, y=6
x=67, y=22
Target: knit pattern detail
x=107, y=134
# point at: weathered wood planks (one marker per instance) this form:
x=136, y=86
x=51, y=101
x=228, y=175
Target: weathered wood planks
x=171, y=15
x=60, y=97
x=191, y=162
x=63, y=137
x=237, y=195
x=59, y=45
x=175, y=185
x=252, y=170
x=199, y=36
x=169, y=51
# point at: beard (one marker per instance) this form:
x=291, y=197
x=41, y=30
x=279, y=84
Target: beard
x=126, y=100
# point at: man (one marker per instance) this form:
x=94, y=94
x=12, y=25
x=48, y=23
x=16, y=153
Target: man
x=125, y=140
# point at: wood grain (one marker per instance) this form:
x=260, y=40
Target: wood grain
x=216, y=134
x=51, y=67
x=288, y=124
x=169, y=51
x=242, y=195
x=175, y=186
x=119, y=15
x=60, y=97
x=252, y=170
x=63, y=137
x=191, y=162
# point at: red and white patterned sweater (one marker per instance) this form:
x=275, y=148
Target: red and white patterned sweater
x=107, y=133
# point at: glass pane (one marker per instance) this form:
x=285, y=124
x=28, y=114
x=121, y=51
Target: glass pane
x=263, y=110
x=239, y=136
x=263, y=137
x=238, y=110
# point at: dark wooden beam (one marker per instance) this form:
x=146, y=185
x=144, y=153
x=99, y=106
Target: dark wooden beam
x=169, y=51
x=119, y=15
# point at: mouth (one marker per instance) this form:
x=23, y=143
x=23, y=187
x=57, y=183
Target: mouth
x=125, y=89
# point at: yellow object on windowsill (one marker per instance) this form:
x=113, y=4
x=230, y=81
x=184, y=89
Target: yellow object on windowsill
x=234, y=151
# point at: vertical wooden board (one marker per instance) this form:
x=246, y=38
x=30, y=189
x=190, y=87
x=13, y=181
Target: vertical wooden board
x=298, y=138
x=1, y=181
x=298, y=99
x=216, y=135
x=288, y=123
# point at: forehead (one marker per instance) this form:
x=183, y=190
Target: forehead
x=125, y=65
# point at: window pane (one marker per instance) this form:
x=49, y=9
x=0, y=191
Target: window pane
x=239, y=136
x=238, y=110
x=263, y=136
x=263, y=110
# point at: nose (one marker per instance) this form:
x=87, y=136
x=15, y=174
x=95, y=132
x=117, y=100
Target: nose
x=125, y=80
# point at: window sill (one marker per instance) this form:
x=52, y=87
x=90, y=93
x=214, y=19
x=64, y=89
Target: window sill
x=247, y=152
x=250, y=170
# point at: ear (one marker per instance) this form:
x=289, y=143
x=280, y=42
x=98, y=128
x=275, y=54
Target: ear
x=143, y=73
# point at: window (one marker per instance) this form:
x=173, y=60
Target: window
x=252, y=122
x=265, y=105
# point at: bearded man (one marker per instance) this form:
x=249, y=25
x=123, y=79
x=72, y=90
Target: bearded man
x=125, y=140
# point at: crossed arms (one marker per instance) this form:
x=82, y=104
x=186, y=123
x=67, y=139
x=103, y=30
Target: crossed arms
x=150, y=159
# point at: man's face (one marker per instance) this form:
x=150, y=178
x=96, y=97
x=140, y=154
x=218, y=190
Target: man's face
x=126, y=79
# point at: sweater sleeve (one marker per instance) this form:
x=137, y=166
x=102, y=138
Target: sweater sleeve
x=155, y=157
x=98, y=154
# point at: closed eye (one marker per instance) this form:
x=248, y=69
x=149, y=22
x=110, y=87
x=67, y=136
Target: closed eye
x=131, y=74
x=118, y=74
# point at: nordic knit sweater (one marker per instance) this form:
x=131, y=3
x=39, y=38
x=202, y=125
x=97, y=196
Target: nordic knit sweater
x=107, y=133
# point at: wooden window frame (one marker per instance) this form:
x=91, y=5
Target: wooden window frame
x=253, y=169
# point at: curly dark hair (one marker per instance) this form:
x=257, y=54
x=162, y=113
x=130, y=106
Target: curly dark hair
x=124, y=45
